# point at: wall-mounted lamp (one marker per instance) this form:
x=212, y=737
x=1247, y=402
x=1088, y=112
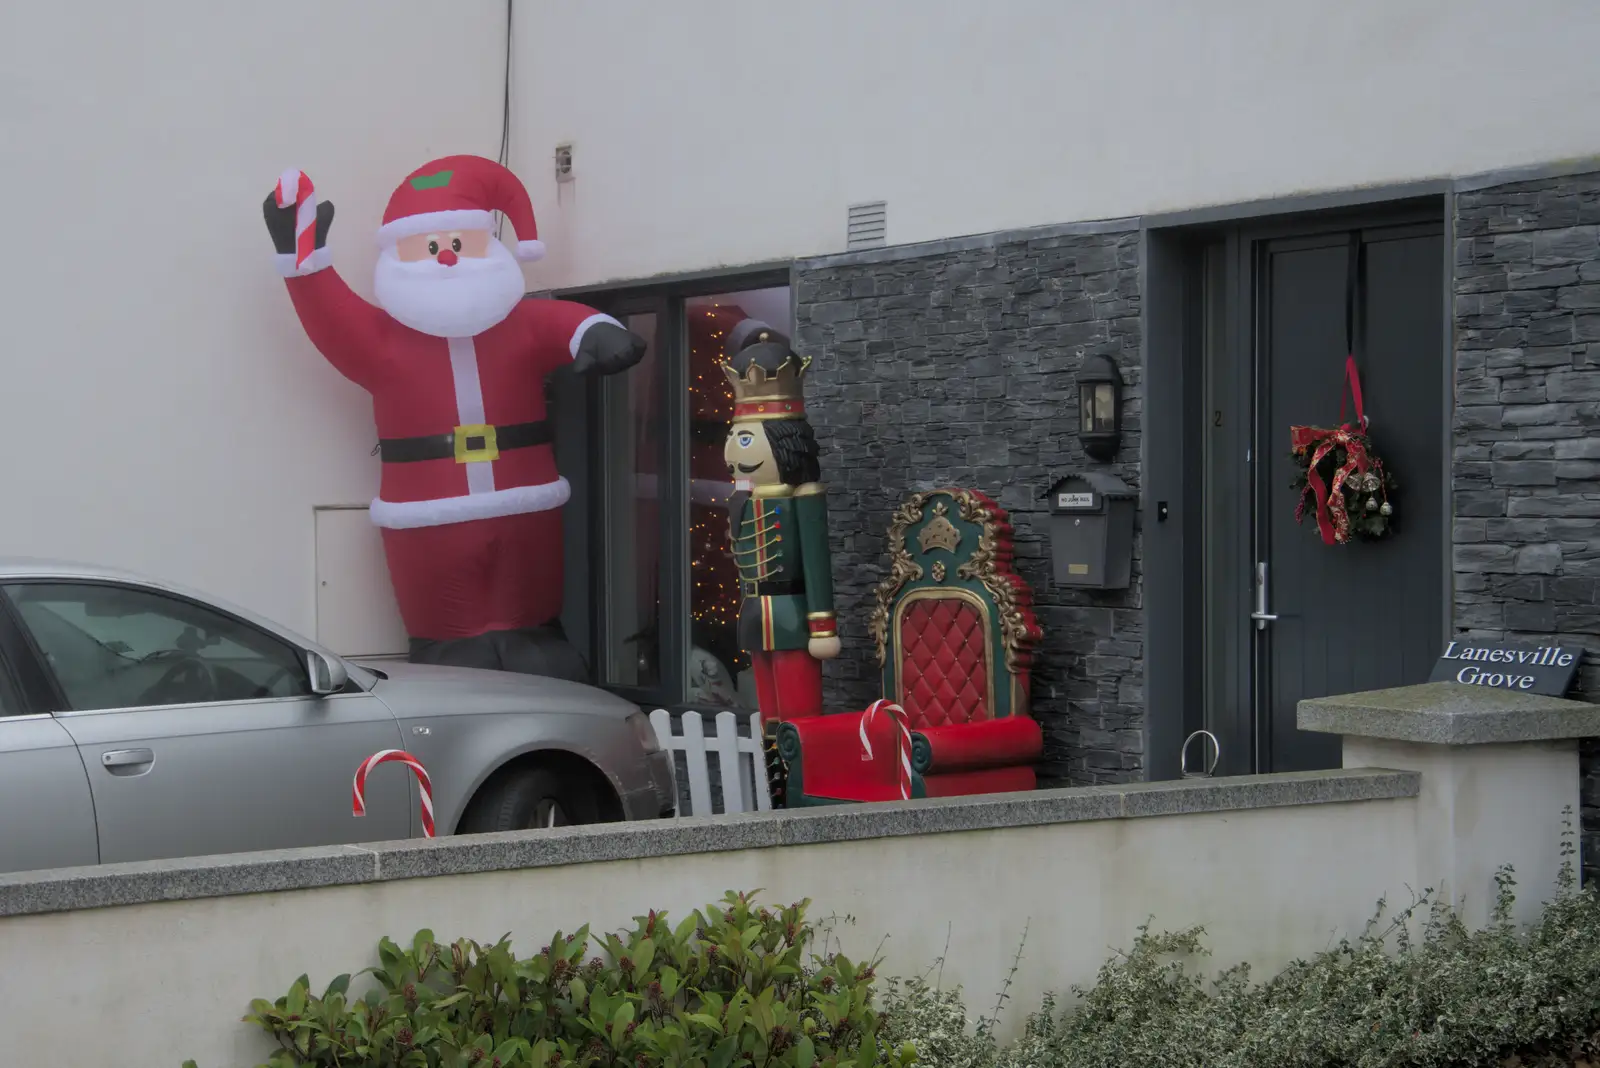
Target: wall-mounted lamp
x=1100, y=407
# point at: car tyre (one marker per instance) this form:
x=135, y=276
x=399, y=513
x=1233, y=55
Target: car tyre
x=525, y=798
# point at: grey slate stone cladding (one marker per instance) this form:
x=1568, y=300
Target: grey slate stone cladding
x=956, y=365
x=1527, y=425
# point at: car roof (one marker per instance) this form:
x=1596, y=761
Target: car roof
x=25, y=567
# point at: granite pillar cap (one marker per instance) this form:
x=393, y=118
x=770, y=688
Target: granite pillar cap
x=1450, y=713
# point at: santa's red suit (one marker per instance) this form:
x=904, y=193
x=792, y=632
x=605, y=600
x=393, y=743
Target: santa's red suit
x=469, y=500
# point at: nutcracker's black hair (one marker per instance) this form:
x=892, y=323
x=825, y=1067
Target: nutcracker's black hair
x=794, y=448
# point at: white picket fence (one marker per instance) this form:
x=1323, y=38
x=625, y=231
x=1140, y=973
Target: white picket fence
x=740, y=760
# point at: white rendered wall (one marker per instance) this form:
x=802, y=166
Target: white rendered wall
x=708, y=133
x=1270, y=885
x=162, y=409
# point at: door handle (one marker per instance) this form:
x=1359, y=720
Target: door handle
x=128, y=758
x=1261, y=615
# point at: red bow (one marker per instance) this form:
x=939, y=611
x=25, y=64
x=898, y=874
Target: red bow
x=1332, y=519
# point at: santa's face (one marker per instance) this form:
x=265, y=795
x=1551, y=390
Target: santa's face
x=454, y=283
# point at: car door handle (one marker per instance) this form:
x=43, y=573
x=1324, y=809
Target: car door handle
x=128, y=758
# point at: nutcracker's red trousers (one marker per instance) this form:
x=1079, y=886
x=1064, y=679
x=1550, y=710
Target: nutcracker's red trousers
x=788, y=684
x=461, y=580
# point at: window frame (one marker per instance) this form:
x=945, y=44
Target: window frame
x=45, y=692
x=666, y=298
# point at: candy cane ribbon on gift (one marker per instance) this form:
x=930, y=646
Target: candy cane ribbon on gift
x=295, y=188
x=902, y=737
x=358, y=802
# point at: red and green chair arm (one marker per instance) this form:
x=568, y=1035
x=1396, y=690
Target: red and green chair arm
x=992, y=743
x=827, y=763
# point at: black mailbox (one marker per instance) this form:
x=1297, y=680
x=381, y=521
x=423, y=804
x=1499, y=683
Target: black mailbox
x=1091, y=531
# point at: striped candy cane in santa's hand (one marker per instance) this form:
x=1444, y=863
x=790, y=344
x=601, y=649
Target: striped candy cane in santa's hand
x=295, y=188
x=358, y=803
x=902, y=738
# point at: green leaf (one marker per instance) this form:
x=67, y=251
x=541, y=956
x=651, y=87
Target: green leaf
x=723, y=1054
x=437, y=180
x=620, y=1021
x=706, y=1021
x=296, y=1002
x=340, y=985
x=805, y=1052
x=580, y=992
x=509, y=1049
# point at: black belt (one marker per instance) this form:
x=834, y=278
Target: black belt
x=474, y=446
x=790, y=588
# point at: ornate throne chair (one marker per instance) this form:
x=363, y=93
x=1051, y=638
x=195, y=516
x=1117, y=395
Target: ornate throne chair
x=955, y=632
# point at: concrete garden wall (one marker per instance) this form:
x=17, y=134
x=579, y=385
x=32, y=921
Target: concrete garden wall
x=148, y=964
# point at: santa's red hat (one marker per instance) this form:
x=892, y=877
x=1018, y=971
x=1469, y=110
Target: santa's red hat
x=458, y=193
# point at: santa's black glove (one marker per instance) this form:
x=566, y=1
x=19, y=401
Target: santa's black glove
x=606, y=348
x=280, y=223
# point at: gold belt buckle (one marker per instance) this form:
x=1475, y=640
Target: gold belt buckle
x=476, y=443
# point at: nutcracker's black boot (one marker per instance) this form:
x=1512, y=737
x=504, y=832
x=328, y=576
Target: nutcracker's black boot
x=532, y=651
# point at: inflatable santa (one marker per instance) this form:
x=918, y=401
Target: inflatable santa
x=456, y=360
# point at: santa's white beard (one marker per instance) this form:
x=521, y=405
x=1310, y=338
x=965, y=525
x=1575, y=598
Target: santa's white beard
x=463, y=300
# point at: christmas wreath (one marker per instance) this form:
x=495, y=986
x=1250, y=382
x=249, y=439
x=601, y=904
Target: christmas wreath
x=1342, y=474
x=1339, y=471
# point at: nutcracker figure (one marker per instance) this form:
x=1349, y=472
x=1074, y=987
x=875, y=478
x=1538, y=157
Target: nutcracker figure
x=778, y=525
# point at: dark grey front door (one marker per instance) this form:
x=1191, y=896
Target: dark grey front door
x=1337, y=618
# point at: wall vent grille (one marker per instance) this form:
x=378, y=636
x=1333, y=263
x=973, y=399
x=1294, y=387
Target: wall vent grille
x=868, y=225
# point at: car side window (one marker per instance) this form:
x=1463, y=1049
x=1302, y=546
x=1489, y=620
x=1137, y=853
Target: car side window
x=113, y=646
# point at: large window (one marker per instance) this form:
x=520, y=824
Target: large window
x=667, y=590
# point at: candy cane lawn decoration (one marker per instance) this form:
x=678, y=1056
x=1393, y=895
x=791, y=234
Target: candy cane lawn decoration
x=903, y=738
x=295, y=188
x=358, y=803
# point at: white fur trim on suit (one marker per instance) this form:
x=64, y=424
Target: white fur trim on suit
x=318, y=260
x=432, y=221
x=528, y=251
x=577, y=335
x=518, y=500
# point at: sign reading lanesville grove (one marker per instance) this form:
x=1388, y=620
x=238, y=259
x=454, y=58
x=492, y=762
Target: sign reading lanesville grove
x=1545, y=669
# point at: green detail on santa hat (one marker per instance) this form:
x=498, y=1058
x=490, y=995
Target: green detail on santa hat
x=432, y=181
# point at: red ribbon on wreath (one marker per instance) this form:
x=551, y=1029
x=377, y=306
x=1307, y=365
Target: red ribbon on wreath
x=1333, y=521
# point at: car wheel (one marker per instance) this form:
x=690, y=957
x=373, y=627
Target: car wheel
x=526, y=798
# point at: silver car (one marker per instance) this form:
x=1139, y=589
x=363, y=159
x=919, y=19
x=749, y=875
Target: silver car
x=139, y=720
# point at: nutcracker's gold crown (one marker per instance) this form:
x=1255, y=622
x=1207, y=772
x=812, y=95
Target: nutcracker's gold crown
x=763, y=393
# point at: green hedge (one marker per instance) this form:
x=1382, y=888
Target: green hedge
x=733, y=984
x=1495, y=997
x=738, y=985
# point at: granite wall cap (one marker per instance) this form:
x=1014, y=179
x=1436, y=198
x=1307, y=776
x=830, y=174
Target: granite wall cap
x=183, y=878
x=109, y=885
x=1450, y=713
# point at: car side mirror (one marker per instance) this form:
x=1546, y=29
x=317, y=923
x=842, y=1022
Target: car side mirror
x=328, y=674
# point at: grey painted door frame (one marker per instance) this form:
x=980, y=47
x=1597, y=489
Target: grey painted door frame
x=1173, y=319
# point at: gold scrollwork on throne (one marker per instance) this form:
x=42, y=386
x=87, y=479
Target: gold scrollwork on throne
x=982, y=566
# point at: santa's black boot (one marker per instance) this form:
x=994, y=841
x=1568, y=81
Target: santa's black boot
x=532, y=651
